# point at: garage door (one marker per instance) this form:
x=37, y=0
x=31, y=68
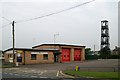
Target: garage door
x=77, y=54
x=65, y=55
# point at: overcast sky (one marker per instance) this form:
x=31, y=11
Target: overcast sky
x=80, y=26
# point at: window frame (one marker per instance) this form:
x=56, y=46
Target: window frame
x=45, y=56
x=34, y=57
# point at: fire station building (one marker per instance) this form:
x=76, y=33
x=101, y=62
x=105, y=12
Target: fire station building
x=64, y=53
x=46, y=53
x=29, y=56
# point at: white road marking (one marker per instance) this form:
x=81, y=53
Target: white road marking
x=11, y=73
x=33, y=76
x=24, y=71
x=57, y=73
x=16, y=74
x=41, y=73
x=66, y=75
x=43, y=77
x=45, y=70
x=32, y=70
x=25, y=68
x=25, y=75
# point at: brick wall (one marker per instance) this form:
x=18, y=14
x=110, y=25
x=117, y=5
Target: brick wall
x=6, y=58
x=39, y=58
x=27, y=58
x=60, y=49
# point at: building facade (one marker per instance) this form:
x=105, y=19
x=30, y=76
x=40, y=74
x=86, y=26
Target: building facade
x=46, y=53
x=29, y=56
x=66, y=53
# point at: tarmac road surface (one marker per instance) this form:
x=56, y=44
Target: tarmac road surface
x=32, y=73
x=54, y=70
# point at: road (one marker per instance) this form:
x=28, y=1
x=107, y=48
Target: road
x=33, y=73
x=54, y=71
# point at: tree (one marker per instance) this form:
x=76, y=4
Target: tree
x=105, y=53
x=88, y=51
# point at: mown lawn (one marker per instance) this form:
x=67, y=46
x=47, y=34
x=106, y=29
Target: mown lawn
x=5, y=65
x=108, y=75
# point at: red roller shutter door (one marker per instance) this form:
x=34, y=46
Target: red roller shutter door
x=77, y=54
x=65, y=55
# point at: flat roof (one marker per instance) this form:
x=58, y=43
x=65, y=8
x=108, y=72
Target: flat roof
x=57, y=45
x=28, y=49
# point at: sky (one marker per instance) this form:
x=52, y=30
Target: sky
x=119, y=24
x=78, y=26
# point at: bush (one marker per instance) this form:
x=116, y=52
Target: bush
x=91, y=57
x=114, y=57
x=105, y=53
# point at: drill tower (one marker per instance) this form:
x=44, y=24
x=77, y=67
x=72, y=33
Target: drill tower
x=104, y=34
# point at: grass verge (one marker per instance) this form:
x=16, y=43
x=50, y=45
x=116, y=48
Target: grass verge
x=106, y=75
x=6, y=65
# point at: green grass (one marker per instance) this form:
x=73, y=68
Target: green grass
x=111, y=75
x=6, y=65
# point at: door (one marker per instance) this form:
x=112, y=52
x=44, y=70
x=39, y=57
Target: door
x=55, y=57
x=65, y=55
x=77, y=54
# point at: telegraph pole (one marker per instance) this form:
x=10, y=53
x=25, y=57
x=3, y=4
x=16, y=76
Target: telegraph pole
x=13, y=41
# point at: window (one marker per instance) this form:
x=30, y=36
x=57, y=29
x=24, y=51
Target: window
x=45, y=56
x=33, y=56
x=9, y=55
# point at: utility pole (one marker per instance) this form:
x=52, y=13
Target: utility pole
x=13, y=41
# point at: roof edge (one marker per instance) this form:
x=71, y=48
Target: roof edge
x=27, y=49
x=57, y=45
